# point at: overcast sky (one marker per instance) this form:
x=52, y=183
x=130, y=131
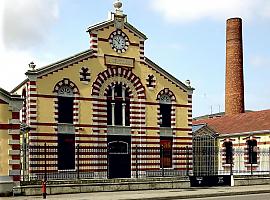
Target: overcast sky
x=186, y=38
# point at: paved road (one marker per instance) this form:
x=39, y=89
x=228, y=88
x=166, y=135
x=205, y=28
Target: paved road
x=239, y=197
x=171, y=194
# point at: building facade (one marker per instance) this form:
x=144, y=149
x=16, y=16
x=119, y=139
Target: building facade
x=110, y=99
x=237, y=142
x=10, y=106
x=240, y=143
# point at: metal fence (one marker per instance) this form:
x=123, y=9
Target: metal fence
x=92, y=162
x=211, y=160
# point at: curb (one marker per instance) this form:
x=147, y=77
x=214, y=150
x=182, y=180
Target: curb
x=204, y=195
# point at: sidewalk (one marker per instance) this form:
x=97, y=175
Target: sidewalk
x=156, y=194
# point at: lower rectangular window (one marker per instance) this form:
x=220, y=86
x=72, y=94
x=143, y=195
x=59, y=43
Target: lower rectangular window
x=166, y=152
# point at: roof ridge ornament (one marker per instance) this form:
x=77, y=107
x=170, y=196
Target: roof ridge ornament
x=118, y=5
x=32, y=66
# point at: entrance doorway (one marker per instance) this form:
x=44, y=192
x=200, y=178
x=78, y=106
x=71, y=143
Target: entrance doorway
x=119, y=156
x=66, y=151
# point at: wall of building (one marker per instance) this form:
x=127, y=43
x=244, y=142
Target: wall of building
x=5, y=116
x=91, y=130
x=45, y=86
x=240, y=154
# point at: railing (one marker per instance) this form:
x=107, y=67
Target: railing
x=214, y=161
x=92, y=162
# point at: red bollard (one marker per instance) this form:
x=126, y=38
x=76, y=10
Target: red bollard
x=43, y=189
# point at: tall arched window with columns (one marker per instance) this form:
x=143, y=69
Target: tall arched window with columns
x=118, y=106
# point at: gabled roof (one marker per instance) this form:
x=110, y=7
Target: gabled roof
x=62, y=63
x=56, y=66
x=110, y=22
x=87, y=54
x=167, y=75
x=7, y=97
x=203, y=129
x=197, y=127
x=257, y=121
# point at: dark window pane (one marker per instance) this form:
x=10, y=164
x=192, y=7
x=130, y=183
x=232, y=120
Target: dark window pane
x=118, y=112
x=228, y=152
x=65, y=110
x=252, y=151
x=118, y=90
x=127, y=113
x=66, y=151
x=109, y=112
x=165, y=111
x=118, y=147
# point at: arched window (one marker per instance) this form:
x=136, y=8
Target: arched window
x=165, y=110
x=65, y=105
x=252, y=151
x=118, y=106
x=228, y=152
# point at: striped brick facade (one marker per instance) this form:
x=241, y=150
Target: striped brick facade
x=137, y=98
x=31, y=118
x=240, y=156
x=24, y=108
x=94, y=42
x=14, y=143
x=141, y=46
x=150, y=161
x=189, y=112
x=10, y=164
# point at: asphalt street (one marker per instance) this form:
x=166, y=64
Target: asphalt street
x=258, y=192
x=239, y=197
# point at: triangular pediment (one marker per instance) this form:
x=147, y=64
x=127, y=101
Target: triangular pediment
x=203, y=130
x=111, y=22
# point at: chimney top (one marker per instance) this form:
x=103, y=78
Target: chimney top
x=234, y=19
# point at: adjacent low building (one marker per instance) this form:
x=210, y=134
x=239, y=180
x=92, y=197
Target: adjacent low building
x=10, y=106
x=241, y=142
x=237, y=142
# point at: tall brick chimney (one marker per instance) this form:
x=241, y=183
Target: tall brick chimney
x=234, y=94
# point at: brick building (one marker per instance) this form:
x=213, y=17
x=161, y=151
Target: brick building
x=242, y=138
x=110, y=100
x=10, y=106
